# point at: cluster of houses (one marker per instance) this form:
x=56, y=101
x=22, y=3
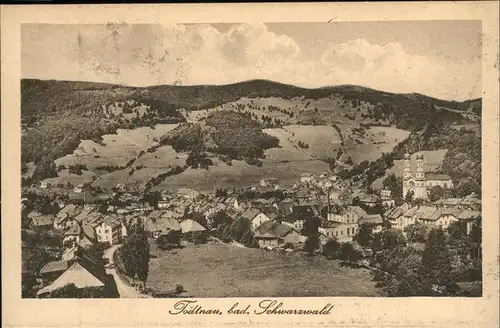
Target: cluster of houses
x=442, y=213
x=80, y=225
x=274, y=222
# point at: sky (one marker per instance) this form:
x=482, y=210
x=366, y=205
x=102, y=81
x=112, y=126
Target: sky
x=437, y=58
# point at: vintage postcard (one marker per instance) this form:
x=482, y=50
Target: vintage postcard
x=301, y=164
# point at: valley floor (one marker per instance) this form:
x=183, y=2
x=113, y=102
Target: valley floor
x=221, y=270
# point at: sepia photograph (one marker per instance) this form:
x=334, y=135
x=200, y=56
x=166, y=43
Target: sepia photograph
x=273, y=159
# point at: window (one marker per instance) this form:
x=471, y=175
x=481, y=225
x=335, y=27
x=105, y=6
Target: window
x=353, y=230
x=342, y=232
x=336, y=233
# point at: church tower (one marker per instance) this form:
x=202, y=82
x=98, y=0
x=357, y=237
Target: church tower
x=421, y=189
x=420, y=168
x=407, y=167
x=407, y=178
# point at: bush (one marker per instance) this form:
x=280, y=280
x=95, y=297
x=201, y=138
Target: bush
x=349, y=254
x=77, y=169
x=303, y=145
x=179, y=289
x=331, y=249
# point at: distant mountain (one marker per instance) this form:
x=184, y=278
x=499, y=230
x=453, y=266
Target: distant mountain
x=57, y=115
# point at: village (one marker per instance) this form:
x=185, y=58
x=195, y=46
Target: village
x=301, y=217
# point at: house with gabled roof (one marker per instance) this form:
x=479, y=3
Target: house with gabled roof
x=42, y=222
x=424, y=214
x=272, y=234
x=188, y=193
x=192, y=229
x=73, y=234
x=66, y=217
x=353, y=214
x=407, y=218
x=50, y=271
x=285, y=207
x=155, y=214
x=306, y=177
x=293, y=220
x=250, y=213
x=87, y=210
x=259, y=219
x=370, y=200
x=93, y=219
x=449, y=202
x=83, y=272
x=470, y=203
x=189, y=226
x=109, y=230
x=374, y=221
x=156, y=227
x=444, y=217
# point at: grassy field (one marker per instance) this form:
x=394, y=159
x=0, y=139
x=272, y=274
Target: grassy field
x=377, y=140
x=117, y=149
x=323, y=140
x=228, y=271
x=240, y=174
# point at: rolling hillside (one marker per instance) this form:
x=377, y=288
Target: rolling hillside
x=62, y=118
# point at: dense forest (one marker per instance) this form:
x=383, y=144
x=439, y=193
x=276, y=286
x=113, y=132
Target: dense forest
x=226, y=133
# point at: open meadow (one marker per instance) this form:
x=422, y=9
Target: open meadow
x=240, y=174
x=221, y=270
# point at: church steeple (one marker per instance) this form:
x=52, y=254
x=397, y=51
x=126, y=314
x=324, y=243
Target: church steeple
x=407, y=167
x=420, y=175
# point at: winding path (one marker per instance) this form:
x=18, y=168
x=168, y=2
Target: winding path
x=124, y=289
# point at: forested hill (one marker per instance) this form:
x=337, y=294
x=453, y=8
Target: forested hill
x=208, y=96
x=56, y=115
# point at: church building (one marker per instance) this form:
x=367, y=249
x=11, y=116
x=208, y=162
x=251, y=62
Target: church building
x=420, y=183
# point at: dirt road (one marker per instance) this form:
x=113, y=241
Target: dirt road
x=124, y=289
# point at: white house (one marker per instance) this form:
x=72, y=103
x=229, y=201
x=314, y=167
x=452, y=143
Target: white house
x=343, y=232
x=109, y=230
x=443, y=217
x=162, y=204
x=259, y=219
x=188, y=193
x=353, y=214
x=78, y=189
x=73, y=234
x=306, y=177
